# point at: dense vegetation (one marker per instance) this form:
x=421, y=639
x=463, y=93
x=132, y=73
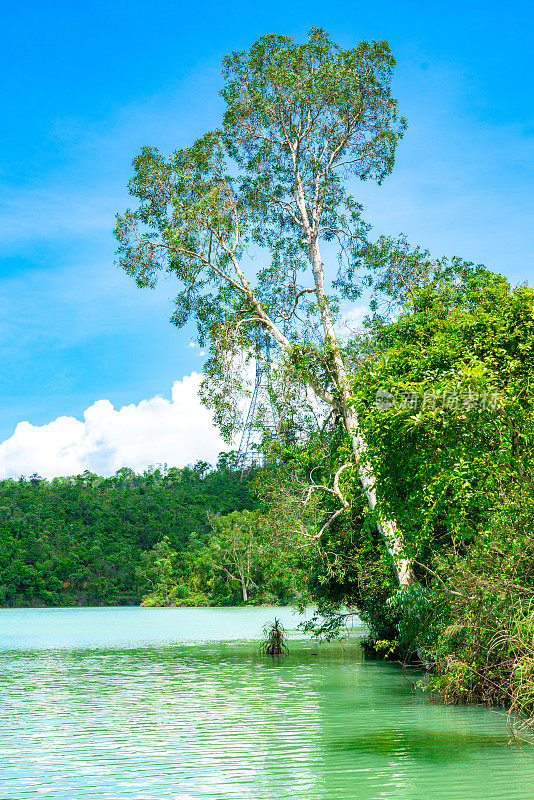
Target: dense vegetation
x=445, y=394
x=456, y=464
x=97, y=541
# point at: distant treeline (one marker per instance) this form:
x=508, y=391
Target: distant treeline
x=88, y=540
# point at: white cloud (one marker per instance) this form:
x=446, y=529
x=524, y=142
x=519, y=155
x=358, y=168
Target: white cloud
x=177, y=431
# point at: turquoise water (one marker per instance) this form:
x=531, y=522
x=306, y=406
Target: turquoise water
x=177, y=703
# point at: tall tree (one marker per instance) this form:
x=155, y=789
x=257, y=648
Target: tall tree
x=271, y=185
x=238, y=546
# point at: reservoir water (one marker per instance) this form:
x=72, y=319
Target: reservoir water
x=114, y=703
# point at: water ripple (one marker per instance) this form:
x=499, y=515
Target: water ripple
x=158, y=713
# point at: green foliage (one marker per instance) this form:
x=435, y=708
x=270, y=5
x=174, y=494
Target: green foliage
x=350, y=569
x=455, y=464
x=179, y=578
x=91, y=540
x=247, y=558
x=480, y=638
x=463, y=356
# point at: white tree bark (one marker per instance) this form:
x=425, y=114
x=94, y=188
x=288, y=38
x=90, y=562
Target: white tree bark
x=389, y=529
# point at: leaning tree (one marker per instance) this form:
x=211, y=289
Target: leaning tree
x=243, y=217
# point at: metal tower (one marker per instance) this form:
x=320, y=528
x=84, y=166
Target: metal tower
x=249, y=453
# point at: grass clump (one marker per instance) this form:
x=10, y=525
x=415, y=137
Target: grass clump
x=273, y=642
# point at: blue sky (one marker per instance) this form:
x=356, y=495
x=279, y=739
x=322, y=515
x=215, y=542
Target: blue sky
x=85, y=85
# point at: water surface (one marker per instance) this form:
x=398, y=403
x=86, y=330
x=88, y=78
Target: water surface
x=177, y=703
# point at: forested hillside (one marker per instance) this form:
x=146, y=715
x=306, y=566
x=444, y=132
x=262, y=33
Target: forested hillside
x=90, y=540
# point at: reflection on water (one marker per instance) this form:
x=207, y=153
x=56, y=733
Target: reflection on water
x=154, y=703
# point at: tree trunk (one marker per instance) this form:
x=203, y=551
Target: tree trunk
x=389, y=529
x=244, y=591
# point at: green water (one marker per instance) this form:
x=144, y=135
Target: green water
x=177, y=704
